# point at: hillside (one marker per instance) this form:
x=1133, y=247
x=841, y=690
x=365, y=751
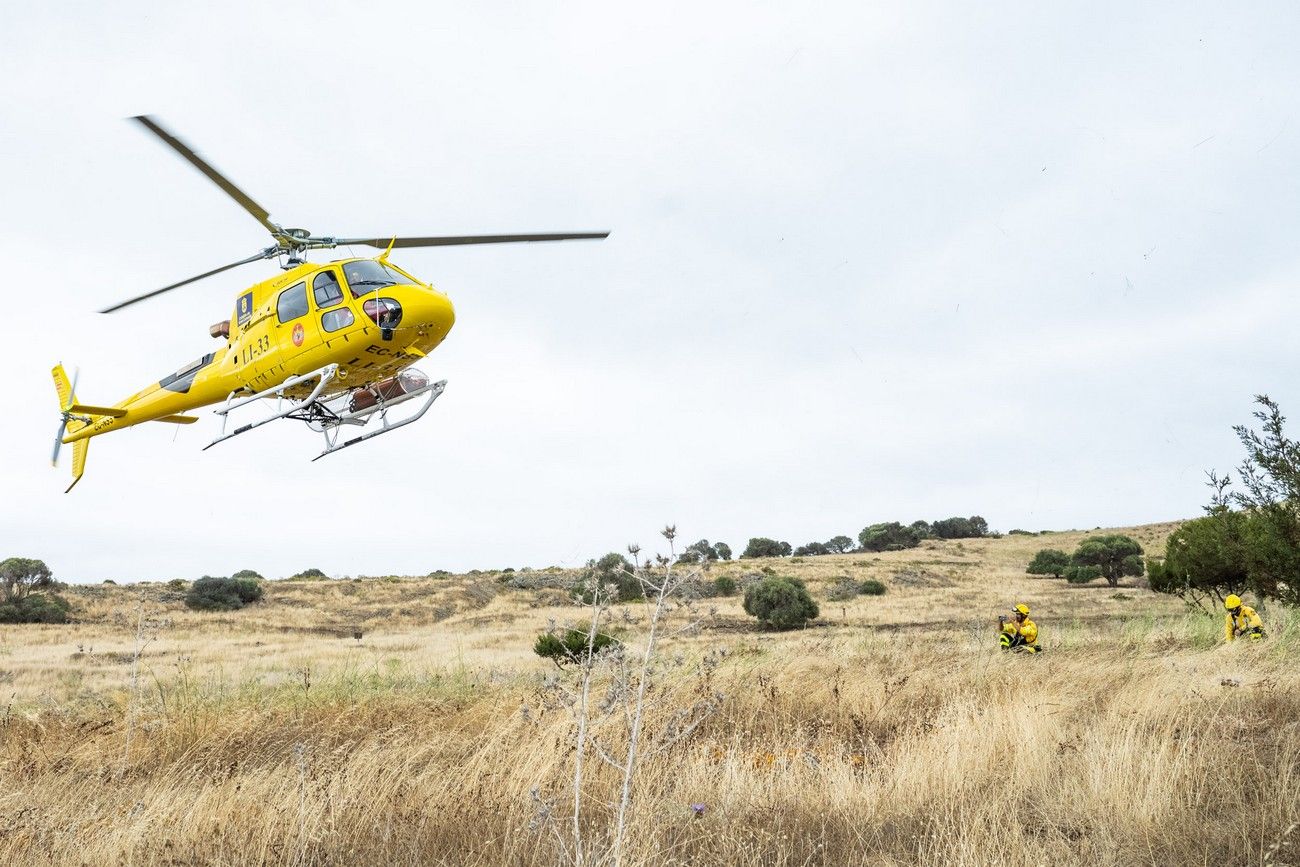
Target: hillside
x=407, y=721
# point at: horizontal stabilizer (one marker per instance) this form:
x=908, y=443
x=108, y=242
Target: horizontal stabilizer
x=97, y=410
x=178, y=419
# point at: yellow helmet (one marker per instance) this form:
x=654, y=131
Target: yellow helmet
x=1022, y=608
x=1233, y=601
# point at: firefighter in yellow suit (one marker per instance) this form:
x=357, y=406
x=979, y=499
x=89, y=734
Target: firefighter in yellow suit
x=1020, y=633
x=1241, y=620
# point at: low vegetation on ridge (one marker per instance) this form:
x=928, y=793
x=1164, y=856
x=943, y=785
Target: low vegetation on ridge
x=408, y=720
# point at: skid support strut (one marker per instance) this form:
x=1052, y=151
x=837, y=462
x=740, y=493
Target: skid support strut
x=430, y=393
x=324, y=375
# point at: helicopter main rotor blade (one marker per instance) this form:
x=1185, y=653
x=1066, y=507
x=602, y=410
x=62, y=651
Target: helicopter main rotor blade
x=265, y=254
x=245, y=201
x=456, y=240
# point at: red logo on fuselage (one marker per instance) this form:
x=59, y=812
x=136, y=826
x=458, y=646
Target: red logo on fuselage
x=297, y=334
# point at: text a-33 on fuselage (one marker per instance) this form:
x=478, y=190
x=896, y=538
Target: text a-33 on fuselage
x=330, y=344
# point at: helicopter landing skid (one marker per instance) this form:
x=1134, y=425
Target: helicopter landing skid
x=331, y=427
x=324, y=374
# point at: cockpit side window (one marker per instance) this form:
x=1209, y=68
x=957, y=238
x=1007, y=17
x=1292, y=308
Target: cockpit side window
x=292, y=303
x=327, y=290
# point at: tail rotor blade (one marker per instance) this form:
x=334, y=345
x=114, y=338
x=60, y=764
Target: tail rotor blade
x=58, y=442
x=72, y=392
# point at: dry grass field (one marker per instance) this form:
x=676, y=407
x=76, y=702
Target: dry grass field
x=407, y=721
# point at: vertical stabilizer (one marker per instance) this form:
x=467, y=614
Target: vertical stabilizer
x=79, y=449
x=69, y=424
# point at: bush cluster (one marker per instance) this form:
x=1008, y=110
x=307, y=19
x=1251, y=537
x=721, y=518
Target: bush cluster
x=703, y=552
x=1112, y=557
x=613, y=569
x=26, y=595
x=573, y=645
x=222, y=594
x=780, y=603
x=36, y=608
x=761, y=546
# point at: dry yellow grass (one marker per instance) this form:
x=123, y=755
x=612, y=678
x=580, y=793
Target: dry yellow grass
x=891, y=733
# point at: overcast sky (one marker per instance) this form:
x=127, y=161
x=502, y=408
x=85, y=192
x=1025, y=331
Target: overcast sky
x=869, y=261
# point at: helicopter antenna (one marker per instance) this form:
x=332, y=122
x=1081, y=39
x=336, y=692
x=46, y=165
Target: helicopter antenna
x=291, y=244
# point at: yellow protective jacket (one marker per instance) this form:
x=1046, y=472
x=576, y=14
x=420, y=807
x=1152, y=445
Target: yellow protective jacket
x=1240, y=623
x=1027, y=630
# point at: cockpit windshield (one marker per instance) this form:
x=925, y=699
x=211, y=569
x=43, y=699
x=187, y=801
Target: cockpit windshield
x=367, y=275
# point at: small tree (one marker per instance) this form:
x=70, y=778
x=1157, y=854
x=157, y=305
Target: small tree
x=1049, y=561
x=761, y=546
x=922, y=529
x=892, y=536
x=700, y=552
x=254, y=575
x=780, y=603
x=812, y=549
x=840, y=544
x=723, y=550
x=1114, y=555
x=20, y=576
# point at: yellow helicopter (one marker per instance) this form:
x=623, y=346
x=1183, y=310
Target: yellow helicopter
x=330, y=344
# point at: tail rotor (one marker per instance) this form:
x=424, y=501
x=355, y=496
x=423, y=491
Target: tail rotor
x=63, y=425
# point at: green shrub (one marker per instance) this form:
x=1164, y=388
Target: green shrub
x=724, y=585
x=309, y=575
x=256, y=576
x=973, y=527
x=35, y=608
x=1049, y=561
x=574, y=645
x=177, y=584
x=891, y=536
x=222, y=594
x=872, y=587
x=781, y=603
x=761, y=546
x=1081, y=574
x=1021, y=533
x=613, y=569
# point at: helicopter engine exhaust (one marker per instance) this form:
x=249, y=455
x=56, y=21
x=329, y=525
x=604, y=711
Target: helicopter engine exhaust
x=388, y=390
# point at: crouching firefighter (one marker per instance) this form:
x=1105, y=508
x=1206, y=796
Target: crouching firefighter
x=1020, y=633
x=1241, y=620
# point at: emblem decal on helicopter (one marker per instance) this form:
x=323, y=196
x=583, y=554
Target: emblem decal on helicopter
x=244, y=309
x=297, y=334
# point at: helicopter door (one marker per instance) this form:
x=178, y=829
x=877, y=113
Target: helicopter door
x=294, y=332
